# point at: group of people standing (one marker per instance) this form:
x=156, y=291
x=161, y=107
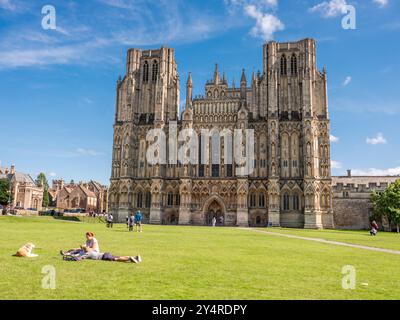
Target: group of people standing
x=220, y=221
x=133, y=221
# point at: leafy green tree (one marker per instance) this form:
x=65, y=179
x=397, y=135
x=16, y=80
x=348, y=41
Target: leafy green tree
x=41, y=181
x=4, y=191
x=387, y=204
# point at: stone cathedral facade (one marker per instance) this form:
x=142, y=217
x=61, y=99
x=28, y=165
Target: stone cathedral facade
x=287, y=107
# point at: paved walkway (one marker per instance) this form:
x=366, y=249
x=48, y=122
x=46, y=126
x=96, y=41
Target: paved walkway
x=324, y=241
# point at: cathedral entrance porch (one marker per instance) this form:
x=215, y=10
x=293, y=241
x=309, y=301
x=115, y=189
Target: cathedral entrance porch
x=214, y=208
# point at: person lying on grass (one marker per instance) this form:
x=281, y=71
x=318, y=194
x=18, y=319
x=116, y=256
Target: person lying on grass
x=91, y=245
x=109, y=257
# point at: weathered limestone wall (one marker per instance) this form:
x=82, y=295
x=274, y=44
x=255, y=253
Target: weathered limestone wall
x=351, y=213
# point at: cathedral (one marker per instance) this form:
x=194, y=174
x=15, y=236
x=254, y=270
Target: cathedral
x=285, y=106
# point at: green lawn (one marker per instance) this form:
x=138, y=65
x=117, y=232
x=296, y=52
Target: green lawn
x=193, y=263
x=386, y=240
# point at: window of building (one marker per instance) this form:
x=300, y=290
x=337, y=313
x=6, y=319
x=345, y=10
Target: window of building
x=178, y=199
x=229, y=170
x=170, y=199
x=201, y=170
x=286, y=202
x=296, y=202
x=148, y=200
x=283, y=66
x=139, y=200
x=252, y=200
x=145, y=71
x=261, y=200
x=154, y=71
x=285, y=163
x=293, y=65
x=215, y=170
x=345, y=194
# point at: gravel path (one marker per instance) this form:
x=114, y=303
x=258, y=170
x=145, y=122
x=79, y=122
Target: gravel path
x=325, y=241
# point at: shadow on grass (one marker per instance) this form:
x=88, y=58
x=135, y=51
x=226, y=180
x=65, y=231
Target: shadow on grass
x=80, y=219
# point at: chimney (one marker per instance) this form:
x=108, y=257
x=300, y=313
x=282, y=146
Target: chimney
x=12, y=169
x=349, y=173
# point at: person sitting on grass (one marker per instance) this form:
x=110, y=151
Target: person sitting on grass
x=91, y=245
x=374, y=228
x=109, y=257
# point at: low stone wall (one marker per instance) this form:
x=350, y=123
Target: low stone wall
x=351, y=213
x=26, y=212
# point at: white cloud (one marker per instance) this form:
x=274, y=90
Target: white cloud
x=87, y=152
x=376, y=172
x=332, y=138
x=52, y=174
x=379, y=139
x=266, y=24
x=381, y=3
x=330, y=8
x=336, y=164
x=7, y=5
x=347, y=81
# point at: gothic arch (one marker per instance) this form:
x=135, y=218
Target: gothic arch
x=210, y=200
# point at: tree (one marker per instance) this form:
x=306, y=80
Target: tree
x=41, y=181
x=5, y=196
x=387, y=204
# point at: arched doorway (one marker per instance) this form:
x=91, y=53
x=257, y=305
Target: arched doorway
x=214, y=208
x=171, y=218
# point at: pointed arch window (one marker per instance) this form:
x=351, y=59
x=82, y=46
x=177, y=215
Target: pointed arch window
x=170, y=199
x=139, y=200
x=154, y=71
x=293, y=65
x=145, y=71
x=261, y=200
x=148, y=199
x=285, y=202
x=296, y=202
x=283, y=66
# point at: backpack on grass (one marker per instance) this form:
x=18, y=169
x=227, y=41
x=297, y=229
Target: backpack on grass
x=72, y=258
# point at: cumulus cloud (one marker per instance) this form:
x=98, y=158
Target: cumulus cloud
x=376, y=172
x=336, y=164
x=381, y=3
x=266, y=23
x=347, y=81
x=332, y=138
x=378, y=139
x=329, y=9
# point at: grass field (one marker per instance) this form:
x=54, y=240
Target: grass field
x=194, y=263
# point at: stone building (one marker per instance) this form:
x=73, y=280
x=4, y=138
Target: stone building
x=25, y=193
x=352, y=205
x=287, y=107
x=90, y=196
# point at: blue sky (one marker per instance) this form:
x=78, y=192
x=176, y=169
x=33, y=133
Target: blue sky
x=57, y=87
